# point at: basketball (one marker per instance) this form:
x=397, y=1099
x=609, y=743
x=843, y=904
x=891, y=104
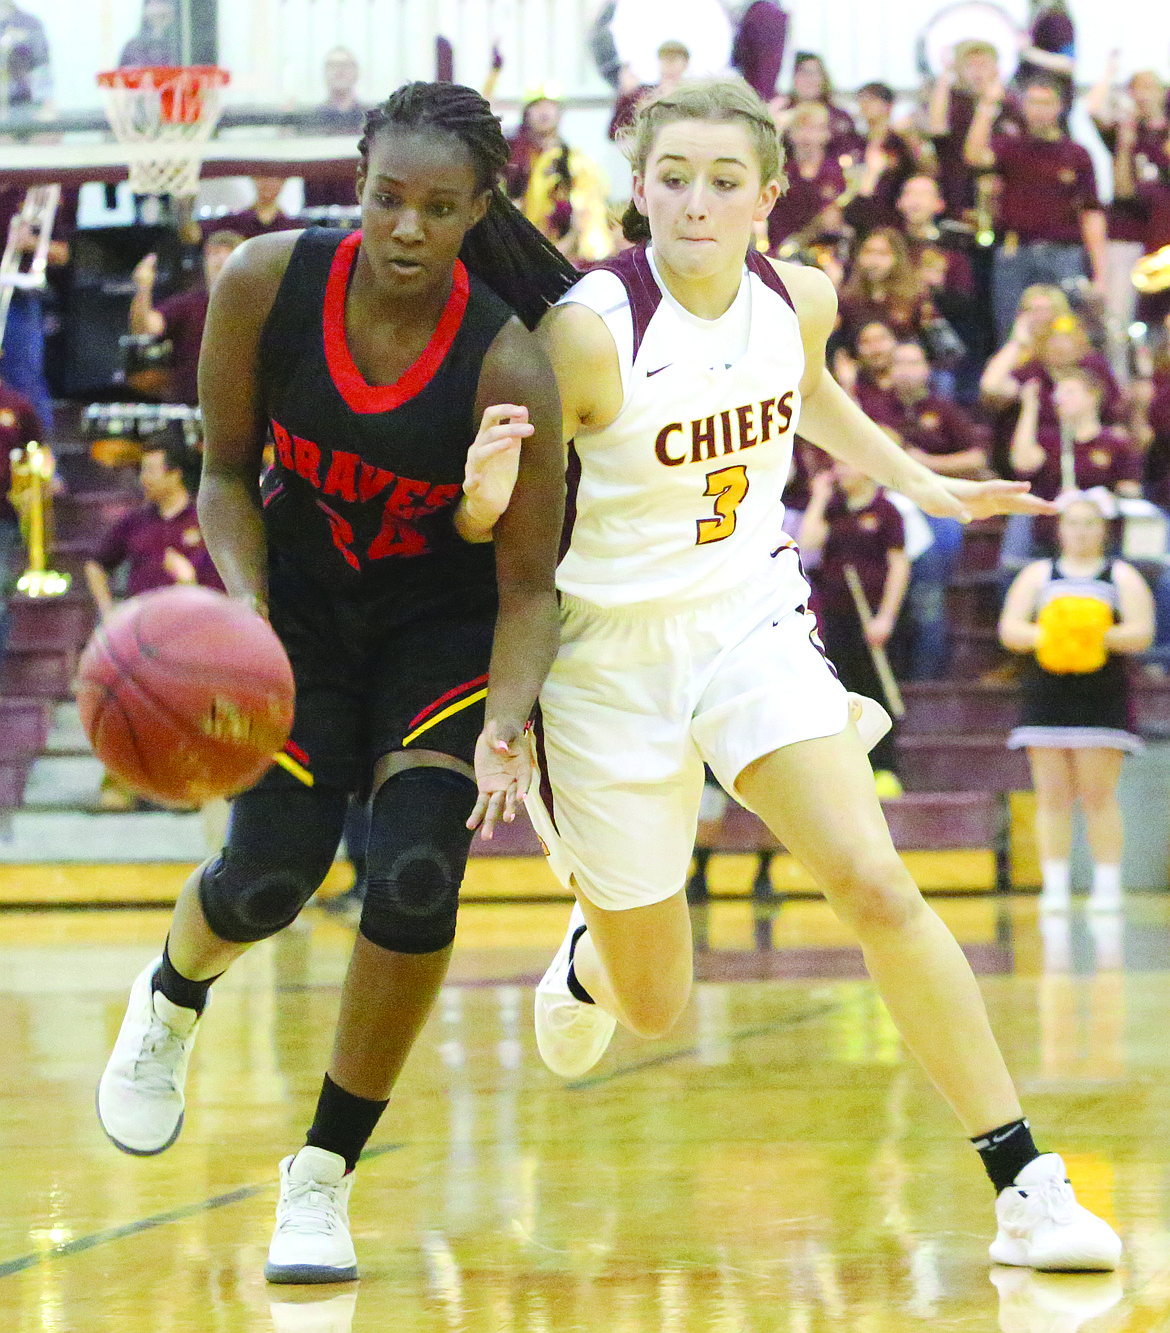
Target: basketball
x=185, y=695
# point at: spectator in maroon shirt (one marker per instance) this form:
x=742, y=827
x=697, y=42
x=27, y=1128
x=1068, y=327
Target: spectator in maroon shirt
x=883, y=285
x=181, y=318
x=951, y=108
x=1077, y=453
x=850, y=521
x=1145, y=184
x=673, y=59
x=1126, y=219
x=940, y=264
x=814, y=181
x=943, y=437
x=890, y=159
x=867, y=379
x=1050, y=217
x=935, y=431
x=810, y=83
x=263, y=216
x=159, y=544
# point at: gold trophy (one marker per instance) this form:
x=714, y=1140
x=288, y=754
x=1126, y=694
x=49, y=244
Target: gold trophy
x=33, y=468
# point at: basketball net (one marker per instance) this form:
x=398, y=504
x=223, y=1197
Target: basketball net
x=164, y=115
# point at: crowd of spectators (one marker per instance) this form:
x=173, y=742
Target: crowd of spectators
x=988, y=315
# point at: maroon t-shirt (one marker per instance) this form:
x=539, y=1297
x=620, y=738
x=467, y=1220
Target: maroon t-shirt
x=19, y=424
x=185, y=315
x=804, y=199
x=1106, y=460
x=864, y=539
x=956, y=178
x=935, y=425
x=1154, y=201
x=879, y=404
x=140, y=541
x=1047, y=185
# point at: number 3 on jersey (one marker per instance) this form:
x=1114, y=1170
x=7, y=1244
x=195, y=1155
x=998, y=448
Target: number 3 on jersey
x=728, y=485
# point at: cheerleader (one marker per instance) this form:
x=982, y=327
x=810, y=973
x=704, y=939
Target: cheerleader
x=1078, y=615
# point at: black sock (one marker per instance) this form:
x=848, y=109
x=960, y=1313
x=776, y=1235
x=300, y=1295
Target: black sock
x=179, y=989
x=576, y=990
x=343, y=1123
x=1006, y=1151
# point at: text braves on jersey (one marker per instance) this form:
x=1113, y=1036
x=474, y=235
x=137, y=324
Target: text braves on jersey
x=350, y=480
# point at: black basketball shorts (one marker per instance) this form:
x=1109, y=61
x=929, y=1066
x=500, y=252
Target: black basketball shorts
x=373, y=679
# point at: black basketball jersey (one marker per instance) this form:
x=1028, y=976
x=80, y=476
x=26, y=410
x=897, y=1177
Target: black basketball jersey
x=366, y=478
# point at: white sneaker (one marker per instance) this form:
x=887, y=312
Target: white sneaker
x=311, y=1242
x=1052, y=1302
x=570, y=1036
x=1041, y=1225
x=332, y=1315
x=870, y=718
x=140, y=1095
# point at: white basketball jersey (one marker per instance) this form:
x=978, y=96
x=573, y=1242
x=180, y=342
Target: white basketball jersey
x=679, y=498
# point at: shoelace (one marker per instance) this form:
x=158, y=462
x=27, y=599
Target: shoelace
x=161, y=1053
x=1054, y=1197
x=309, y=1209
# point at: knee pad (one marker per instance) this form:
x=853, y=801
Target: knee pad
x=416, y=857
x=279, y=848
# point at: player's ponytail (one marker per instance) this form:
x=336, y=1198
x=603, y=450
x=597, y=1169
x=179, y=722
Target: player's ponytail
x=504, y=250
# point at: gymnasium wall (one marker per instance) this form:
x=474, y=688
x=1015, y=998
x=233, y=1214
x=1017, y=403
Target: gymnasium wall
x=275, y=47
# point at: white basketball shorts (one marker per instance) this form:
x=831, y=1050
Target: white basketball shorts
x=638, y=699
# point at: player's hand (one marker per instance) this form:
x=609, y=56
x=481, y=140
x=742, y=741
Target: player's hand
x=503, y=767
x=490, y=472
x=952, y=497
x=179, y=567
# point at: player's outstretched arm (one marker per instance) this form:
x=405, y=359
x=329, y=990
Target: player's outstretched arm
x=527, y=536
x=831, y=419
x=234, y=421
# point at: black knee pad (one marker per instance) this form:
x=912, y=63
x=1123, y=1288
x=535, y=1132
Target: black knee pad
x=416, y=857
x=279, y=848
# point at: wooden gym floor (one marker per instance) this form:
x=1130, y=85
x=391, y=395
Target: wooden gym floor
x=778, y=1164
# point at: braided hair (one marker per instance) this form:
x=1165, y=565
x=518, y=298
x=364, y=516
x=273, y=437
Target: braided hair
x=504, y=249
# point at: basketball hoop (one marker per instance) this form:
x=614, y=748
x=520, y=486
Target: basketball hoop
x=164, y=115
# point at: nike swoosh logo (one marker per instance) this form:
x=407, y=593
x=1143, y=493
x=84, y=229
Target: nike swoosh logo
x=651, y=373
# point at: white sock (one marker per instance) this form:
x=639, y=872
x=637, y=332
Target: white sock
x=1055, y=877
x=1106, y=895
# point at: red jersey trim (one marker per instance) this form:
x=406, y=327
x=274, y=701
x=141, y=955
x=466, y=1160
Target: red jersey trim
x=360, y=396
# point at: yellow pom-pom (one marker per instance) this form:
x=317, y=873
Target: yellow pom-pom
x=1072, y=635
